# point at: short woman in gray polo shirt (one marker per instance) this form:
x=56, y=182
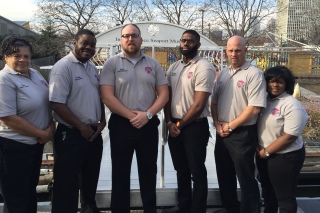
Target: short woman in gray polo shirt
x=25, y=125
x=281, y=152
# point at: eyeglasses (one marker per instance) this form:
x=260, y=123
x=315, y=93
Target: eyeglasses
x=190, y=41
x=126, y=36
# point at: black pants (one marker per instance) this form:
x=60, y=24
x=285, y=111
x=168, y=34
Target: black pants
x=124, y=140
x=188, y=153
x=234, y=156
x=19, y=175
x=76, y=166
x=278, y=176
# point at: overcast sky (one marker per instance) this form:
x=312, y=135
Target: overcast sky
x=18, y=10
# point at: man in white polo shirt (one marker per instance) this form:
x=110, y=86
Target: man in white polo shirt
x=239, y=93
x=190, y=85
x=75, y=100
x=134, y=88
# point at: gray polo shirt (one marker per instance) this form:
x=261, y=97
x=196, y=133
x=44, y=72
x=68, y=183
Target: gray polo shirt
x=184, y=79
x=234, y=91
x=134, y=84
x=25, y=97
x=282, y=114
x=76, y=85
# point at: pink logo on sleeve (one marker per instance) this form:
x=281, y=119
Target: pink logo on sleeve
x=190, y=74
x=240, y=83
x=148, y=69
x=275, y=111
x=44, y=83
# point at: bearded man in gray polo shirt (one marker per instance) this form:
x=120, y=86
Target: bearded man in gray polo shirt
x=239, y=93
x=75, y=100
x=190, y=85
x=134, y=88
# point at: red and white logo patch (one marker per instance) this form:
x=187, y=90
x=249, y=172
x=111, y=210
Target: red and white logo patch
x=148, y=69
x=190, y=74
x=44, y=83
x=275, y=111
x=240, y=83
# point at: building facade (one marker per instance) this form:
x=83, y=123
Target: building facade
x=8, y=27
x=294, y=20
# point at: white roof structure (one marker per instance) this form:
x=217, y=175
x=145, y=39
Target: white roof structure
x=154, y=34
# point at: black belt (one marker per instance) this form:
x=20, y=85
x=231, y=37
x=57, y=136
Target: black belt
x=175, y=120
x=93, y=127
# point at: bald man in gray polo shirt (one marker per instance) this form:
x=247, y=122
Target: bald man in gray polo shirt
x=134, y=88
x=239, y=94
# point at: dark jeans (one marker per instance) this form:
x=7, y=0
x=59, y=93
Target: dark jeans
x=234, y=156
x=19, y=175
x=124, y=140
x=76, y=166
x=188, y=153
x=278, y=175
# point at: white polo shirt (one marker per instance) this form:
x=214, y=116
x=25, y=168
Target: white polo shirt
x=76, y=85
x=184, y=79
x=282, y=114
x=135, y=84
x=26, y=97
x=234, y=91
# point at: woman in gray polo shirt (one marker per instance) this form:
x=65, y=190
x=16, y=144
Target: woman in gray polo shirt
x=25, y=125
x=281, y=153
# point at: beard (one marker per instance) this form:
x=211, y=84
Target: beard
x=190, y=52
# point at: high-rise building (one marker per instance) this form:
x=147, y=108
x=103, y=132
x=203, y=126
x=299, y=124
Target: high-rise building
x=293, y=19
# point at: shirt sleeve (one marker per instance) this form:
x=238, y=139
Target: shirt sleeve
x=205, y=79
x=161, y=78
x=59, y=84
x=294, y=121
x=8, y=104
x=257, y=90
x=107, y=76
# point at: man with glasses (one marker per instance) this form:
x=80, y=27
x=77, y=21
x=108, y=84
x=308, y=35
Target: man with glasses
x=190, y=83
x=134, y=88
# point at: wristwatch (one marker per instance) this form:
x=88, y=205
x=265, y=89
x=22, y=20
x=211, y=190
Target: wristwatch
x=149, y=115
x=266, y=152
x=229, y=128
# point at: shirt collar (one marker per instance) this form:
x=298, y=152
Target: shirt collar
x=282, y=96
x=122, y=55
x=193, y=61
x=9, y=70
x=245, y=66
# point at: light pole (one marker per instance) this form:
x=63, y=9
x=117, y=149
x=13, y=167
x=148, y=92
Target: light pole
x=202, y=11
x=209, y=30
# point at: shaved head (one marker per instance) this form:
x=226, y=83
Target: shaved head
x=236, y=51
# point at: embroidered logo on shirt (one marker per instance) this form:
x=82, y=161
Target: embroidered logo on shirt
x=190, y=74
x=44, y=83
x=23, y=86
x=78, y=78
x=275, y=111
x=240, y=83
x=148, y=69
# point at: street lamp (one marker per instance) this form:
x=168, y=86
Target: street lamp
x=202, y=11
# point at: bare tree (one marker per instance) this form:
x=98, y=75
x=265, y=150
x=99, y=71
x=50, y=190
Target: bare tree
x=180, y=12
x=120, y=10
x=145, y=11
x=240, y=17
x=70, y=16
